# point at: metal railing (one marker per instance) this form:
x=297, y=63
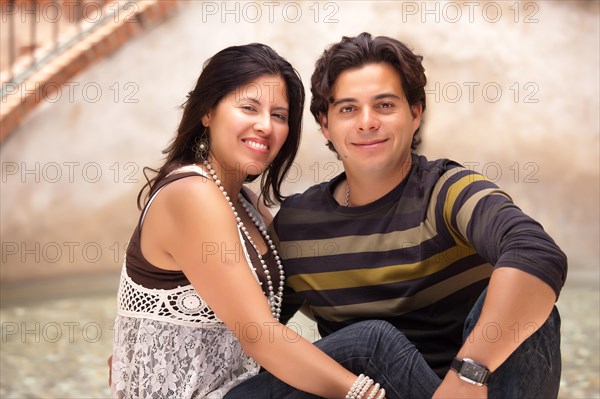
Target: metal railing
x=35, y=32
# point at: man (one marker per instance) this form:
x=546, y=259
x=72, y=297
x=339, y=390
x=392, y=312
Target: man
x=429, y=246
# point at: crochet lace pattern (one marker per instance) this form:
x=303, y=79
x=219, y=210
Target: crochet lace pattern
x=181, y=305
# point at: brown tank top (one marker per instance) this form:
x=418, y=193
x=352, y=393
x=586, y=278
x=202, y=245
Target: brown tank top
x=149, y=276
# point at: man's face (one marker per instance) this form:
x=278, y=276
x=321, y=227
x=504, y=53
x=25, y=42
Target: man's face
x=370, y=122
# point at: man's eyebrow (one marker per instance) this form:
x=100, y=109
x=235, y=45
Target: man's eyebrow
x=343, y=100
x=387, y=95
x=377, y=97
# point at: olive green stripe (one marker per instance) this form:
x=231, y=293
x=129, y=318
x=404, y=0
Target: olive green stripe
x=361, y=277
x=435, y=194
x=354, y=244
x=451, y=196
x=466, y=211
x=398, y=306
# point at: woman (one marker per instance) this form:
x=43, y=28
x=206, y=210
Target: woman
x=192, y=319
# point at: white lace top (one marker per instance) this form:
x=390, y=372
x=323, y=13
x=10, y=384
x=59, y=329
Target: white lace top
x=169, y=343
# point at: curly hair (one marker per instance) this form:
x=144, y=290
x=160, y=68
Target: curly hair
x=355, y=52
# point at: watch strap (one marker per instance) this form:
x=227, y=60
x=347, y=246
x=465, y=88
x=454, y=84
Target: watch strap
x=456, y=364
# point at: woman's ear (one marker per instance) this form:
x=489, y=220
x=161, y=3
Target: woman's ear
x=205, y=120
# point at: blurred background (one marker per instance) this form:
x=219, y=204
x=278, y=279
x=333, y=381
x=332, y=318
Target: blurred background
x=91, y=93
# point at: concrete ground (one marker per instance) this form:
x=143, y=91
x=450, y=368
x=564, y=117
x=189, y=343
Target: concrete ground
x=58, y=347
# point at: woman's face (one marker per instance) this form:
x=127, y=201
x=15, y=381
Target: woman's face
x=249, y=126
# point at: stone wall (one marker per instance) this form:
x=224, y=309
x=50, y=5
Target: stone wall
x=513, y=91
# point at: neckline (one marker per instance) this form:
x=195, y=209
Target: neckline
x=393, y=194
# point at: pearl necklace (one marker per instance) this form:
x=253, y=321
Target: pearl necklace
x=275, y=300
x=347, y=203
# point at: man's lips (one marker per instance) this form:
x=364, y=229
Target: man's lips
x=370, y=143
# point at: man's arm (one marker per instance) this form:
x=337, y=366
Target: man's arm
x=516, y=304
x=529, y=272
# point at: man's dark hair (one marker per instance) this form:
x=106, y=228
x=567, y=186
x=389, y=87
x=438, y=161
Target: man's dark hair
x=355, y=52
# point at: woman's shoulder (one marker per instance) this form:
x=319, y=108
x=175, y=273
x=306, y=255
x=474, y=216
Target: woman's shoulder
x=179, y=178
x=188, y=194
x=192, y=191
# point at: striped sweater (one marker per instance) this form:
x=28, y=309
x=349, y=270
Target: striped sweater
x=419, y=257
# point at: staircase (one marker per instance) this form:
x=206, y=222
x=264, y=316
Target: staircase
x=45, y=43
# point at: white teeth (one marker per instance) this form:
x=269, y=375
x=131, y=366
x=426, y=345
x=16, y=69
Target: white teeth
x=256, y=145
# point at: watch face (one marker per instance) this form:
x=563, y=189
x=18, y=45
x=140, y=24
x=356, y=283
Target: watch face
x=472, y=371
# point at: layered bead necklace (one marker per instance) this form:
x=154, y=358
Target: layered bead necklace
x=347, y=202
x=274, y=299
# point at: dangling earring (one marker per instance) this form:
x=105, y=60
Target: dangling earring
x=200, y=147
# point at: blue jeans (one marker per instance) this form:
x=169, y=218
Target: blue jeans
x=379, y=350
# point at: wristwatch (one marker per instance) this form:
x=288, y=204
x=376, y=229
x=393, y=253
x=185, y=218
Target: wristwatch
x=470, y=371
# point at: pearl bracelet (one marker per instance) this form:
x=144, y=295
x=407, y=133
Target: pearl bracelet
x=361, y=386
x=365, y=387
x=374, y=392
x=354, y=388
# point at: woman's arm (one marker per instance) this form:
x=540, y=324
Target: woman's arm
x=195, y=227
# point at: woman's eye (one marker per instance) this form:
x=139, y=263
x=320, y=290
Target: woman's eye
x=283, y=117
x=248, y=108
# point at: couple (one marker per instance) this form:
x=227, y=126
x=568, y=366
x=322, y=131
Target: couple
x=426, y=279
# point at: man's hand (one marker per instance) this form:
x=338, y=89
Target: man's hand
x=454, y=387
x=110, y=370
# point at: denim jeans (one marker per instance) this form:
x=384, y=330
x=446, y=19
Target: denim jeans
x=379, y=350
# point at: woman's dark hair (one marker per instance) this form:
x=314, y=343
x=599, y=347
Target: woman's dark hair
x=355, y=52
x=221, y=75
